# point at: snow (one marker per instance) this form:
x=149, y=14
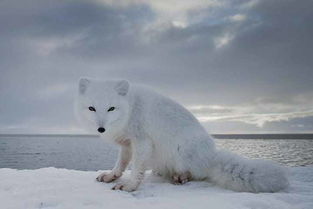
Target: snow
x=53, y=188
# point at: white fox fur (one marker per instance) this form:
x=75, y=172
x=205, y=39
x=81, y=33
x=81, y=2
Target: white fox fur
x=156, y=132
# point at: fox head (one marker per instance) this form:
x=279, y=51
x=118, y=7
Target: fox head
x=102, y=106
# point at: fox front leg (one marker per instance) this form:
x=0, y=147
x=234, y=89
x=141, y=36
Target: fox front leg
x=120, y=165
x=141, y=154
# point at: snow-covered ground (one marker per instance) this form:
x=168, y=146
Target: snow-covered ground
x=71, y=189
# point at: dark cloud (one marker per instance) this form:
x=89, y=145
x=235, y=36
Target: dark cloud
x=230, y=54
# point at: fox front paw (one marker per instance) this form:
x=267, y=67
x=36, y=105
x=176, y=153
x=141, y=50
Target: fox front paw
x=107, y=177
x=128, y=187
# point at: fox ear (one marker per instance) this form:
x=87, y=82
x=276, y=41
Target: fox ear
x=83, y=84
x=122, y=87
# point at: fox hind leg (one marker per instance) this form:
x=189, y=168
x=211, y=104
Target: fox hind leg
x=181, y=178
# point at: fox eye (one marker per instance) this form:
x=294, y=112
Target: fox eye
x=91, y=108
x=111, y=109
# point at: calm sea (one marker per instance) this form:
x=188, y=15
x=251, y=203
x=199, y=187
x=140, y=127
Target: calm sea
x=93, y=153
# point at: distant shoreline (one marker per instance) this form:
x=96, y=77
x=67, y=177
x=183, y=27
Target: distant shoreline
x=217, y=136
x=263, y=136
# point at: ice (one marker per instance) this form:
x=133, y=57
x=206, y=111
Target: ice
x=71, y=189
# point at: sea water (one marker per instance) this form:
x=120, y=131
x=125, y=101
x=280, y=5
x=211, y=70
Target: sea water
x=93, y=153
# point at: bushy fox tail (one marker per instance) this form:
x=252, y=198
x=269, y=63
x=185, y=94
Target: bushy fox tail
x=237, y=173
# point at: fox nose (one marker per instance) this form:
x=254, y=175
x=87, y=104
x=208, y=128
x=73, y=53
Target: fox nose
x=101, y=129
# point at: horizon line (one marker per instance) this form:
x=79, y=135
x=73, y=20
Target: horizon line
x=218, y=136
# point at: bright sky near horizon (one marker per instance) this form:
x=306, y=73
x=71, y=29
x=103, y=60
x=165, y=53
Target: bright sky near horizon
x=243, y=66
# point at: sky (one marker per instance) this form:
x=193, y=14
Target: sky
x=239, y=66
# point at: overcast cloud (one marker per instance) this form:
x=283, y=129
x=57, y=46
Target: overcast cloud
x=239, y=66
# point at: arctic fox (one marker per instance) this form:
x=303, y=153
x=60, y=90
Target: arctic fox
x=159, y=134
